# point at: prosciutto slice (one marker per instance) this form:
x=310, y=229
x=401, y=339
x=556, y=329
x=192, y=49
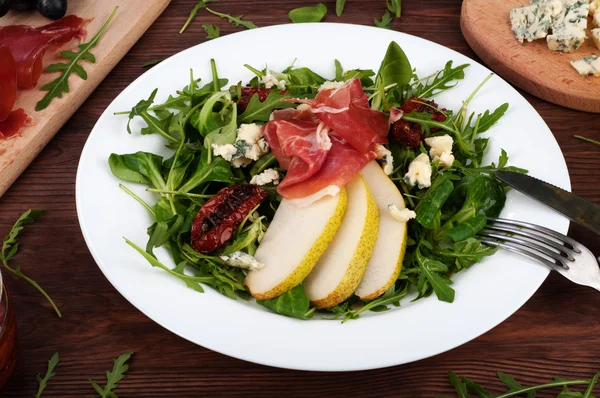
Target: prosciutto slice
x=13, y=124
x=346, y=111
x=341, y=164
x=8, y=82
x=28, y=45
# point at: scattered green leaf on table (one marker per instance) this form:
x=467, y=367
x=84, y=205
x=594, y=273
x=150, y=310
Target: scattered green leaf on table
x=308, y=14
x=395, y=7
x=234, y=20
x=339, y=7
x=43, y=381
x=113, y=377
x=464, y=386
x=60, y=85
x=201, y=4
x=212, y=30
x=152, y=63
x=386, y=19
x=587, y=139
x=10, y=247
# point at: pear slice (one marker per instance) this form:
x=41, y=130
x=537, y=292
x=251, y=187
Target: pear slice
x=386, y=260
x=293, y=243
x=341, y=268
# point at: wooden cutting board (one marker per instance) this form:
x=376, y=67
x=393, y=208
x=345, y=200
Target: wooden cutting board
x=128, y=25
x=532, y=66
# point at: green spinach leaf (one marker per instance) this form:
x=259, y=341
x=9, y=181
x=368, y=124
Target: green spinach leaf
x=308, y=14
x=293, y=303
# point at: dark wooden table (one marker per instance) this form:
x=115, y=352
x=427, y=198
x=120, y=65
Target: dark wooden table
x=556, y=333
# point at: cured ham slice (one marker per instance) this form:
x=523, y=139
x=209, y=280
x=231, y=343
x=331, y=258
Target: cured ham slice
x=297, y=147
x=28, y=45
x=13, y=124
x=342, y=163
x=8, y=82
x=346, y=111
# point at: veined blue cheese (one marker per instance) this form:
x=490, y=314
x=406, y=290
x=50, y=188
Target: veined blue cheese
x=419, y=172
x=385, y=156
x=596, y=19
x=568, y=28
x=530, y=22
x=248, y=146
x=594, y=6
x=242, y=260
x=269, y=81
x=441, y=149
x=596, y=37
x=588, y=66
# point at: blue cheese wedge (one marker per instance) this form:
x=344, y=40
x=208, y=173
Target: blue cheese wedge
x=568, y=28
x=588, y=66
x=596, y=37
x=596, y=19
x=530, y=22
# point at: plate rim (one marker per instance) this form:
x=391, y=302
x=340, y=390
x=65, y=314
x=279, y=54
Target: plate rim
x=278, y=363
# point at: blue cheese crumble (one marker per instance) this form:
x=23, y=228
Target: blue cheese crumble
x=242, y=260
x=419, y=172
x=248, y=146
x=266, y=177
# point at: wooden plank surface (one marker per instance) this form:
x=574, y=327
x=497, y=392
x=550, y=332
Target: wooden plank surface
x=531, y=66
x=556, y=333
x=130, y=22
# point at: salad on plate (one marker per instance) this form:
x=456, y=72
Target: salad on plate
x=337, y=195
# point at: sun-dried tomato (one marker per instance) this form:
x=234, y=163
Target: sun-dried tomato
x=218, y=218
x=248, y=92
x=411, y=134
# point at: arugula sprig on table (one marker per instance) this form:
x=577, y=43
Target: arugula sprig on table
x=10, y=247
x=60, y=85
x=120, y=367
x=465, y=387
x=200, y=5
x=237, y=21
x=43, y=381
x=212, y=30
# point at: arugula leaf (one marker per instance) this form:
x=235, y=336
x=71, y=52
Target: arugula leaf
x=489, y=119
x=208, y=170
x=201, y=4
x=234, y=20
x=261, y=111
x=212, y=30
x=113, y=377
x=386, y=19
x=587, y=139
x=476, y=388
x=339, y=70
x=515, y=389
x=60, y=85
x=467, y=252
x=121, y=171
x=293, y=303
x=442, y=80
x=152, y=63
x=43, y=381
x=430, y=272
x=461, y=388
x=339, y=7
x=10, y=247
x=309, y=14
x=395, y=7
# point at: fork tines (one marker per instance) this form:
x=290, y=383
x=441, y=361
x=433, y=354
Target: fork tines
x=538, y=243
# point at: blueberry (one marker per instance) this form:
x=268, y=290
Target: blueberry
x=52, y=9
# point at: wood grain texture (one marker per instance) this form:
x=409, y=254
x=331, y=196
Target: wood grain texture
x=128, y=25
x=555, y=333
x=531, y=66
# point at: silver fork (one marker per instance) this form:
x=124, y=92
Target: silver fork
x=556, y=251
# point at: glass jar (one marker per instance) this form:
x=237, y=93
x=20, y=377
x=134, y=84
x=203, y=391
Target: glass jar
x=8, y=335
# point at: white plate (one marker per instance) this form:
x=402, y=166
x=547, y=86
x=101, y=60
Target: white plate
x=486, y=294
